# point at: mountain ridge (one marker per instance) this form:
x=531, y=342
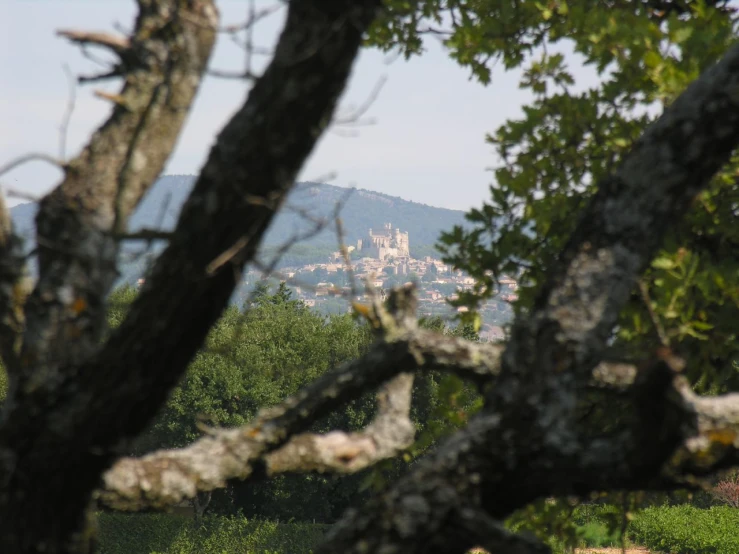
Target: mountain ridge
x=363, y=209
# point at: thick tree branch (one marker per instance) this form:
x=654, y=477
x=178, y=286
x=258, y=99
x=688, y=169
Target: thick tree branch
x=257, y=155
x=391, y=432
x=227, y=454
x=65, y=314
x=163, y=479
x=102, y=186
x=525, y=444
x=624, y=224
x=120, y=46
x=207, y=464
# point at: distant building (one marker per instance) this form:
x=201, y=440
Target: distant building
x=388, y=243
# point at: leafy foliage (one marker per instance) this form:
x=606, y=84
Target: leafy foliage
x=171, y=534
x=726, y=490
x=572, y=134
x=255, y=357
x=688, y=530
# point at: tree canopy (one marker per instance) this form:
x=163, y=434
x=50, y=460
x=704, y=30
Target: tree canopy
x=618, y=201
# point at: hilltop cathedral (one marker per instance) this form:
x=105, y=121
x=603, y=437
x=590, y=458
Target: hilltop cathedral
x=390, y=243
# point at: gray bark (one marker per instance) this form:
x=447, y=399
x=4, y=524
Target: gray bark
x=73, y=404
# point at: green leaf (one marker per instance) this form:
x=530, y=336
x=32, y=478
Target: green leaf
x=663, y=263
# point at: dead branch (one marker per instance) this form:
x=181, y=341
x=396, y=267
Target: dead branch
x=15, y=193
x=252, y=20
x=32, y=157
x=145, y=234
x=238, y=75
x=65, y=315
x=345, y=255
x=354, y=115
x=116, y=44
x=391, y=432
x=254, y=17
x=124, y=381
x=249, y=42
x=658, y=327
x=66, y=118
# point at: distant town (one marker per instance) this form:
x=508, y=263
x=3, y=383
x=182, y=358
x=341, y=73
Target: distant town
x=383, y=257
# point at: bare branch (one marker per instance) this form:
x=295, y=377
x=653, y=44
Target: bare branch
x=253, y=19
x=111, y=74
x=125, y=380
x=65, y=316
x=526, y=444
x=391, y=432
x=225, y=74
x=15, y=193
x=354, y=115
x=659, y=328
x=249, y=42
x=78, y=221
x=145, y=234
x=345, y=255
x=71, y=101
x=32, y=157
x=116, y=44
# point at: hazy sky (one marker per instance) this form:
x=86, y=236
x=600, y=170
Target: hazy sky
x=427, y=144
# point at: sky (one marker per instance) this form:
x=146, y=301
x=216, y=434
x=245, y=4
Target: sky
x=426, y=142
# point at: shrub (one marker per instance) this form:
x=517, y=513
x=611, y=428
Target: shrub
x=596, y=534
x=687, y=530
x=727, y=490
x=171, y=534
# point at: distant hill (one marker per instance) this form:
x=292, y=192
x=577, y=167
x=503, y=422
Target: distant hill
x=362, y=210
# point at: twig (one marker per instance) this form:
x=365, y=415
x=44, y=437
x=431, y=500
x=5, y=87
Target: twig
x=344, y=251
x=71, y=101
x=157, y=233
x=145, y=234
x=318, y=225
x=324, y=178
x=644, y=290
x=354, y=115
x=225, y=74
x=118, y=45
x=231, y=29
x=227, y=255
x=112, y=74
x=249, y=44
x=32, y=157
x=14, y=193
